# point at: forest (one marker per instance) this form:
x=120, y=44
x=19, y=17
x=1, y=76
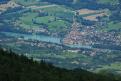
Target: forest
x=15, y=67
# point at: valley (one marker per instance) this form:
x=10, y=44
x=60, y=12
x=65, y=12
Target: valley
x=68, y=37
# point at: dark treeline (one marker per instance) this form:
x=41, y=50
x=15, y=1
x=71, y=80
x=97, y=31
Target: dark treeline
x=3, y=1
x=107, y=46
x=20, y=68
x=90, y=4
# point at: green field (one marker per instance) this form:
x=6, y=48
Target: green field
x=53, y=20
x=112, y=26
x=65, y=55
x=52, y=23
x=26, y=20
x=26, y=2
x=114, y=67
x=113, y=2
x=58, y=9
x=30, y=2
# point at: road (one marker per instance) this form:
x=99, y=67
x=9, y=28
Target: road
x=40, y=7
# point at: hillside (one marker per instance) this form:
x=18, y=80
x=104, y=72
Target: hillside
x=20, y=68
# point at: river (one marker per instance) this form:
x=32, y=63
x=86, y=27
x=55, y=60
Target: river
x=43, y=38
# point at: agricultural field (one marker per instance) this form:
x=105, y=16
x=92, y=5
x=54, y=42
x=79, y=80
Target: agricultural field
x=93, y=14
